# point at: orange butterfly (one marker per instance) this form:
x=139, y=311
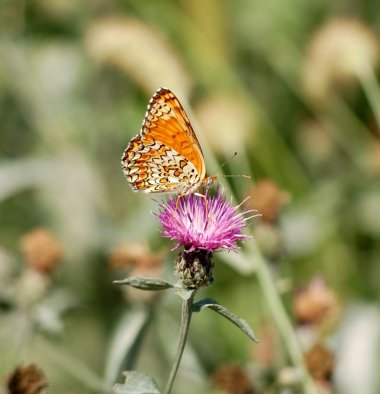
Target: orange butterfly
x=165, y=156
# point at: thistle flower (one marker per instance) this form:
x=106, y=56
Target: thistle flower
x=201, y=224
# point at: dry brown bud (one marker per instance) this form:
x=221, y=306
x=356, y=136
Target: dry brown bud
x=267, y=199
x=321, y=363
x=315, y=303
x=26, y=380
x=41, y=250
x=137, y=260
x=232, y=379
x=133, y=255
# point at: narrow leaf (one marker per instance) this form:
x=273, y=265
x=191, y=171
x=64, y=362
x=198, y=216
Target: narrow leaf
x=126, y=342
x=144, y=283
x=136, y=383
x=212, y=304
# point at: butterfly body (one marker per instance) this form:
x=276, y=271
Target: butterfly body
x=165, y=156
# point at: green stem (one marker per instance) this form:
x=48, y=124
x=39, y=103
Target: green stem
x=284, y=325
x=185, y=323
x=370, y=86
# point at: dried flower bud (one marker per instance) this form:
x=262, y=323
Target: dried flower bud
x=26, y=380
x=133, y=254
x=267, y=199
x=315, y=303
x=232, y=379
x=41, y=250
x=139, y=261
x=321, y=363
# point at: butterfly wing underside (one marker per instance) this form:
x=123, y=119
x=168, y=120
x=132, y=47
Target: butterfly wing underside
x=165, y=156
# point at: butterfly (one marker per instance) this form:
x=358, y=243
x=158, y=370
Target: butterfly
x=165, y=156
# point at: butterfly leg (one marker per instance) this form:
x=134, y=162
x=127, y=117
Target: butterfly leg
x=204, y=197
x=178, y=199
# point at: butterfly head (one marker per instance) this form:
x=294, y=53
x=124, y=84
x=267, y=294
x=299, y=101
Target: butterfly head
x=209, y=180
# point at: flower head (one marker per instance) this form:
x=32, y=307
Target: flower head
x=203, y=222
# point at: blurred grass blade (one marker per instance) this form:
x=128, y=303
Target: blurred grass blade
x=126, y=342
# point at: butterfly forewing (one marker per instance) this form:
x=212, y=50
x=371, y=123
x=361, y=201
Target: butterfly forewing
x=166, y=155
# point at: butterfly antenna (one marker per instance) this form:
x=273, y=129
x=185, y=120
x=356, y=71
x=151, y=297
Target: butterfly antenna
x=231, y=175
x=225, y=162
x=235, y=175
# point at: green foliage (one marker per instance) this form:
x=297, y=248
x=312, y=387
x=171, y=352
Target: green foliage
x=75, y=79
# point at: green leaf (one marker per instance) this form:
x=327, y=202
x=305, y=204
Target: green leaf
x=145, y=283
x=212, y=304
x=137, y=383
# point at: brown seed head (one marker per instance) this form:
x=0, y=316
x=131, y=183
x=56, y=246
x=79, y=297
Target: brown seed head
x=321, y=363
x=41, y=250
x=133, y=255
x=267, y=199
x=315, y=303
x=232, y=379
x=26, y=380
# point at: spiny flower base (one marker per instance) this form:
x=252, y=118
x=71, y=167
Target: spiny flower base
x=194, y=269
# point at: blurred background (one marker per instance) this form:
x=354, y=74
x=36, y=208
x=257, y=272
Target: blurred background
x=292, y=87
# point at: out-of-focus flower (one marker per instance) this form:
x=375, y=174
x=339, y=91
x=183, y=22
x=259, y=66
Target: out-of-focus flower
x=265, y=354
x=137, y=260
x=26, y=380
x=232, y=379
x=337, y=53
x=132, y=255
x=41, y=250
x=316, y=303
x=269, y=238
x=139, y=50
x=230, y=132
x=268, y=199
x=32, y=286
x=321, y=363
x=201, y=224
